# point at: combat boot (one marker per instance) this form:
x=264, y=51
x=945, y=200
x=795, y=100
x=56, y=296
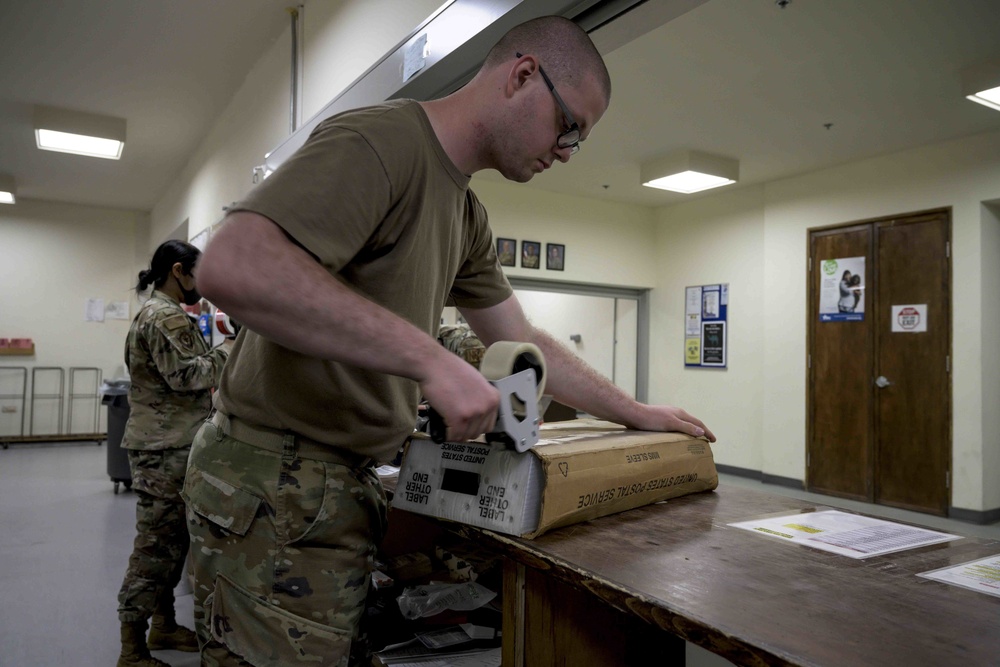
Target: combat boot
x=167, y=635
x=135, y=653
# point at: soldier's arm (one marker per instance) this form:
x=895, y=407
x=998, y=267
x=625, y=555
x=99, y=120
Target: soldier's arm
x=178, y=351
x=572, y=381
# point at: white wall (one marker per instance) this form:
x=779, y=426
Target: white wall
x=759, y=237
x=705, y=242
x=340, y=41
x=606, y=243
x=53, y=257
x=990, y=307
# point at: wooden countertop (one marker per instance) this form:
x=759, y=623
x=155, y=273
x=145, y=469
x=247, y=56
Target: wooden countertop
x=760, y=601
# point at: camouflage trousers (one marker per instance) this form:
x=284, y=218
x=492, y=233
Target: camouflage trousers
x=161, y=542
x=282, y=548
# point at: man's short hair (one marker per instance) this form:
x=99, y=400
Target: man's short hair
x=562, y=47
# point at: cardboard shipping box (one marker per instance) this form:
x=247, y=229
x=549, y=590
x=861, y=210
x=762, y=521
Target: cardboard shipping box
x=579, y=470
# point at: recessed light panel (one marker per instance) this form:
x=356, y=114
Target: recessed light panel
x=989, y=98
x=688, y=182
x=79, y=133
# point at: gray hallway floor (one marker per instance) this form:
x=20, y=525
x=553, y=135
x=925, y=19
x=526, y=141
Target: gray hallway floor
x=65, y=539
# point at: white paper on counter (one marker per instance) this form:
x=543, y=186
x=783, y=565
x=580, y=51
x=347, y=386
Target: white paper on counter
x=981, y=575
x=851, y=535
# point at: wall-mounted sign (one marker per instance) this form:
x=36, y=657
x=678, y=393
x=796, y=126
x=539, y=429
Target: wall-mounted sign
x=415, y=57
x=705, y=316
x=909, y=319
x=842, y=290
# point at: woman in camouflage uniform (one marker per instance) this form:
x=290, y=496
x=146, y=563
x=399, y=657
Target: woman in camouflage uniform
x=173, y=371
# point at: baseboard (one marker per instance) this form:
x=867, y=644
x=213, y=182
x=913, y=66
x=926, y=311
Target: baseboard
x=789, y=482
x=981, y=517
x=737, y=471
x=763, y=477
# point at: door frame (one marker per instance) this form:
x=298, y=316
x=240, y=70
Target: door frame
x=639, y=295
x=812, y=321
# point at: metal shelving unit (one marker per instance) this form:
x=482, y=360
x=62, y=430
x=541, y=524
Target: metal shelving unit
x=76, y=396
x=54, y=381
x=61, y=373
x=23, y=370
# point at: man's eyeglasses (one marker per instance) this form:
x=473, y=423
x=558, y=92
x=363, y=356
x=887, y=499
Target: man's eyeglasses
x=570, y=138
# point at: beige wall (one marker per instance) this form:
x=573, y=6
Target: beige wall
x=990, y=308
x=606, y=243
x=756, y=239
x=53, y=257
x=338, y=45
x=709, y=241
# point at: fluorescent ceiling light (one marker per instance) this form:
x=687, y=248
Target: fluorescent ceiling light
x=989, y=98
x=8, y=190
x=79, y=133
x=689, y=171
x=982, y=84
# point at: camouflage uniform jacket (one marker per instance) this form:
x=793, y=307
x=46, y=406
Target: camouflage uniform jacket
x=173, y=371
x=461, y=340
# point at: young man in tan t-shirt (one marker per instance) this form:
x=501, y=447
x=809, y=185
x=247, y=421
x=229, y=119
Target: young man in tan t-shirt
x=338, y=265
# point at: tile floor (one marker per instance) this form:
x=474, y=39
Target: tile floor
x=65, y=538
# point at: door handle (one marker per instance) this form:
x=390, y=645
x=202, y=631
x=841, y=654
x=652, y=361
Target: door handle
x=882, y=382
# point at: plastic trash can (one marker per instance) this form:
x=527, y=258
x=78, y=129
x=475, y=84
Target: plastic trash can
x=115, y=396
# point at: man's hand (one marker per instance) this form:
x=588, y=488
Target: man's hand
x=669, y=418
x=461, y=395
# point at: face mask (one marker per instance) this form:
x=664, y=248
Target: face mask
x=191, y=296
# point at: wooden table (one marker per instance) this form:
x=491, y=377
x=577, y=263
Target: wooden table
x=629, y=588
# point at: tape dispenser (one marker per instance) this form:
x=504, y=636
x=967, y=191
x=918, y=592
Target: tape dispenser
x=517, y=370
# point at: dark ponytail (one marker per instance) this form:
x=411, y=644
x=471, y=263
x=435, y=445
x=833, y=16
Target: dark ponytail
x=168, y=254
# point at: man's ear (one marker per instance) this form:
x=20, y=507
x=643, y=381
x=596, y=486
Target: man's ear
x=523, y=68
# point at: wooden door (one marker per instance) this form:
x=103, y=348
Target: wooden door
x=879, y=386
x=913, y=342
x=841, y=421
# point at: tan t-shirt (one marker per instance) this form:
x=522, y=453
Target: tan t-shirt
x=373, y=196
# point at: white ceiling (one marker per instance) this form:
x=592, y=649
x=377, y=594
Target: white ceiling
x=169, y=67
x=740, y=78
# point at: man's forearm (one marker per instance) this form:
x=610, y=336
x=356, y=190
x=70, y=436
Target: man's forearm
x=573, y=382
x=273, y=287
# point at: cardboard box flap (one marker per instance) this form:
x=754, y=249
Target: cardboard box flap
x=578, y=436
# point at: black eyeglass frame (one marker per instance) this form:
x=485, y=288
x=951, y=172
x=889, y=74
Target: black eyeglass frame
x=571, y=137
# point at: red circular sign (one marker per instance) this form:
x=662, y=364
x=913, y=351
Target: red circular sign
x=908, y=318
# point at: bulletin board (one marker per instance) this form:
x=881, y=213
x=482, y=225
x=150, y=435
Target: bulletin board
x=705, y=332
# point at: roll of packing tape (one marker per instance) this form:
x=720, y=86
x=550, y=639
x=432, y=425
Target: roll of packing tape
x=224, y=324
x=506, y=358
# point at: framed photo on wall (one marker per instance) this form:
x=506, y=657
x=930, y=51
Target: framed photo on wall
x=507, y=251
x=531, y=254
x=555, y=256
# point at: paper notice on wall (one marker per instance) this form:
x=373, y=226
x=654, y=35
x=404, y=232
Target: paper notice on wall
x=846, y=534
x=909, y=319
x=692, y=311
x=981, y=575
x=705, y=313
x=414, y=57
x=93, y=310
x=116, y=310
